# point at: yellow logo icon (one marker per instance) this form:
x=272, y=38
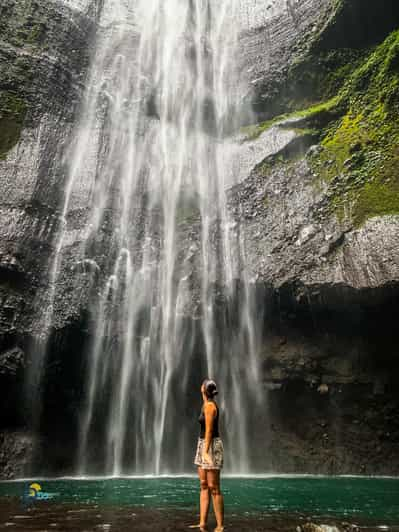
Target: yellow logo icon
x=34, y=489
x=34, y=492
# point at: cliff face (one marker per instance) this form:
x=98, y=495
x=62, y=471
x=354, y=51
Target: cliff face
x=317, y=202
x=273, y=36
x=320, y=217
x=44, y=54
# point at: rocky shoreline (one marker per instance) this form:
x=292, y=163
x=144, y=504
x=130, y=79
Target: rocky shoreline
x=88, y=517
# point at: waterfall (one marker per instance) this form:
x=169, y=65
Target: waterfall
x=173, y=302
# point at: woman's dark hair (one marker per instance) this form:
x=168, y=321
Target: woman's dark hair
x=210, y=388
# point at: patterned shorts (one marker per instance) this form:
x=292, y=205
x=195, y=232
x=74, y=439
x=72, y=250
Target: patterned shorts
x=215, y=452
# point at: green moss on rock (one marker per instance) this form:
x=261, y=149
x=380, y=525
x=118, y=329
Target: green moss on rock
x=377, y=199
x=360, y=154
x=310, y=116
x=359, y=137
x=325, y=56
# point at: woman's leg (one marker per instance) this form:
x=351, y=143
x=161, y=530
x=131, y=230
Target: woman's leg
x=213, y=481
x=204, y=497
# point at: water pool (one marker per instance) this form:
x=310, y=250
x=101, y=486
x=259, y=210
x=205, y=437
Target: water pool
x=355, y=499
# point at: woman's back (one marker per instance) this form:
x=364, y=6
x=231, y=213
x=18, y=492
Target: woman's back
x=215, y=426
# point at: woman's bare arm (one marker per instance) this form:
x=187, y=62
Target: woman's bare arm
x=210, y=414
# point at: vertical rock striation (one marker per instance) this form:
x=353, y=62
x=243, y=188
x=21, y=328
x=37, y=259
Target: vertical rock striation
x=44, y=54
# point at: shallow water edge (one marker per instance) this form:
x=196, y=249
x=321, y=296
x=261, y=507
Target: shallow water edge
x=92, y=517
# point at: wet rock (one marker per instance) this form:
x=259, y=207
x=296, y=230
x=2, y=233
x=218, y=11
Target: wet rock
x=305, y=234
x=314, y=150
x=347, y=527
x=271, y=40
x=360, y=258
x=323, y=389
x=12, y=361
x=16, y=449
x=44, y=56
x=311, y=527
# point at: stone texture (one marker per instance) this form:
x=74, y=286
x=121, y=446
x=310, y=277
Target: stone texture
x=272, y=39
x=16, y=449
x=291, y=236
x=44, y=55
x=330, y=353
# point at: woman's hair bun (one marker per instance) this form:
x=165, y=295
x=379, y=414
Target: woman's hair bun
x=210, y=388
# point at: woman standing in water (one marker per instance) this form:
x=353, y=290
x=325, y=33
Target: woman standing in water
x=209, y=458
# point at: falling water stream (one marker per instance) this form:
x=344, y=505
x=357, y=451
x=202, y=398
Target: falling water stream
x=174, y=303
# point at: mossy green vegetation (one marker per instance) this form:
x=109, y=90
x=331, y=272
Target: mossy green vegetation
x=320, y=76
x=360, y=151
x=323, y=57
x=292, y=120
x=359, y=137
x=377, y=199
x=12, y=115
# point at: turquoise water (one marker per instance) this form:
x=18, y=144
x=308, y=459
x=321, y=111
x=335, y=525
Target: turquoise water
x=368, y=498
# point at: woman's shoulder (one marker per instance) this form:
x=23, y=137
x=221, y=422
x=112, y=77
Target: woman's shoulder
x=210, y=406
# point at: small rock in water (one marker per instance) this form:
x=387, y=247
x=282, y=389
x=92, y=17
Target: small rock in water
x=311, y=527
x=323, y=389
x=350, y=526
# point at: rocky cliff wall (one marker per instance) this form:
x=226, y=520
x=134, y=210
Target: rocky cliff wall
x=321, y=247
x=320, y=218
x=44, y=55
